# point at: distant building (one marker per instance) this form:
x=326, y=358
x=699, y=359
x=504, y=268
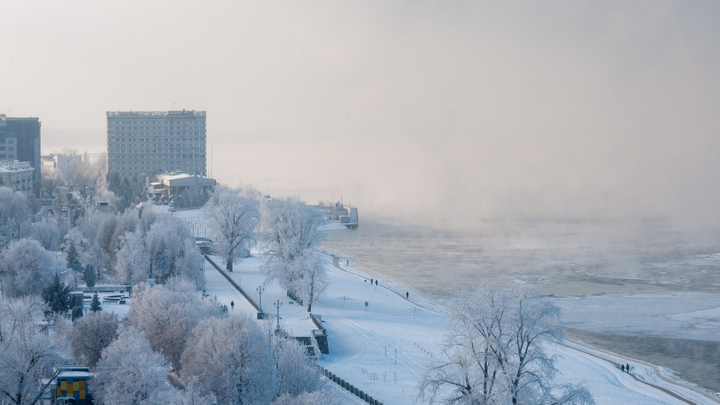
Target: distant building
x=147, y=143
x=19, y=176
x=20, y=140
x=173, y=184
x=61, y=162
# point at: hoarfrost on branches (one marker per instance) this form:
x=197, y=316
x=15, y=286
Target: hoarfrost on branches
x=14, y=212
x=494, y=353
x=290, y=235
x=233, y=215
x=91, y=334
x=231, y=359
x=47, y=233
x=26, y=268
x=31, y=350
x=295, y=374
x=167, y=314
x=129, y=372
x=132, y=260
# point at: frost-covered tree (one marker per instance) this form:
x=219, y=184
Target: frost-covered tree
x=50, y=179
x=160, y=261
x=14, y=212
x=47, y=233
x=29, y=354
x=233, y=216
x=57, y=295
x=167, y=314
x=90, y=275
x=91, y=334
x=295, y=374
x=26, y=268
x=129, y=372
x=160, y=247
x=96, y=257
x=193, y=196
x=290, y=234
x=494, y=352
x=188, y=262
x=192, y=393
x=230, y=358
x=132, y=260
x=73, y=257
x=95, y=305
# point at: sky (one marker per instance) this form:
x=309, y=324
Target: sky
x=445, y=113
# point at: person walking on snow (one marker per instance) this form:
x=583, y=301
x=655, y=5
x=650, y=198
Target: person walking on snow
x=232, y=304
x=622, y=367
x=407, y=295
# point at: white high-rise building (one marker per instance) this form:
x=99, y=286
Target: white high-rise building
x=146, y=143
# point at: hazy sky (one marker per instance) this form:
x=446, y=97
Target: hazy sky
x=445, y=111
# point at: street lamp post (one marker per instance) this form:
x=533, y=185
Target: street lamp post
x=278, y=304
x=260, y=290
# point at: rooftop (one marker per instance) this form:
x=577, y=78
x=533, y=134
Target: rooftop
x=152, y=113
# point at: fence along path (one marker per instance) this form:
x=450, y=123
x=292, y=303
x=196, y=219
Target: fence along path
x=234, y=284
x=353, y=390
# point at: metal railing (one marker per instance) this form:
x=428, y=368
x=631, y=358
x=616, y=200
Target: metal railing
x=353, y=389
x=234, y=284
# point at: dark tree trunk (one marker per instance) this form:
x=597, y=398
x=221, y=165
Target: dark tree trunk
x=312, y=289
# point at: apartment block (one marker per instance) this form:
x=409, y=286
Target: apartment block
x=20, y=140
x=147, y=143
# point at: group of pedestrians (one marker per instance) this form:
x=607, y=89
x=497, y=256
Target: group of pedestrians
x=625, y=368
x=372, y=281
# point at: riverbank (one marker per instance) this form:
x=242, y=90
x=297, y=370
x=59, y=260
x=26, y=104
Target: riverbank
x=696, y=361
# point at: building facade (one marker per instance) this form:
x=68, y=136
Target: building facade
x=19, y=176
x=60, y=162
x=173, y=184
x=20, y=140
x=148, y=143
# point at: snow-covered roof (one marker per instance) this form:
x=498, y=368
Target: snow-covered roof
x=14, y=166
x=184, y=179
x=74, y=374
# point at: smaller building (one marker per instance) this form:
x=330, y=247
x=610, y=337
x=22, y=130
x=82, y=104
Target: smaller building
x=60, y=162
x=173, y=184
x=17, y=175
x=71, y=386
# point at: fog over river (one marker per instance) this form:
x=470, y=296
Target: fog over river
x=569, y=258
